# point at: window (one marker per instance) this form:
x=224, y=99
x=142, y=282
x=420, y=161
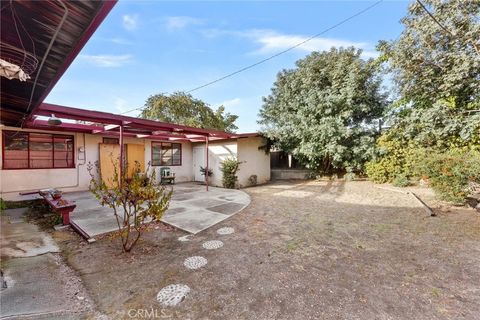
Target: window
x=166, y=154
x=29, y=150
x=110, y=140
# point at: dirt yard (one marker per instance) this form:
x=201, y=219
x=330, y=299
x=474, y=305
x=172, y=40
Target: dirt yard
x=315, y=250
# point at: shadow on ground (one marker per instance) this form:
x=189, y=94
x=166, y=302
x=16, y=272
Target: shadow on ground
x=315, y=250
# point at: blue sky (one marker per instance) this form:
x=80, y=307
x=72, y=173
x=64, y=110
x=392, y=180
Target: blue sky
x=148, y=47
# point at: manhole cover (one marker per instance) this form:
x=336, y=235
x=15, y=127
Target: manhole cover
x=225, y=230
x=213, y=244
x=172, y=294
x=195, y=262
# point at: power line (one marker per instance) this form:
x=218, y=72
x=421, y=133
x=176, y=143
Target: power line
x=475, y=46
x=279, y=53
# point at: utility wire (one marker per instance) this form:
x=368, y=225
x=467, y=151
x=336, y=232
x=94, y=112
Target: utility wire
x=475, y=46
x=279, y=53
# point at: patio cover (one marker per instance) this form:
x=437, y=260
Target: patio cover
x=40, y=22
x=104, y=123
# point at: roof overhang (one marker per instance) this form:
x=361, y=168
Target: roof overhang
x=104, y=123
x=41, y=19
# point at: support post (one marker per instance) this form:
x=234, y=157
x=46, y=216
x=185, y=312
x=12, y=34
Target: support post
x=206, y=161
x=120, y=141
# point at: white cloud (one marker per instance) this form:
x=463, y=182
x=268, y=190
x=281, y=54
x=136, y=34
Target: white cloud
x=271, y=42
x=118, y=40
x=231, y=103
x=121, y=105
x=180, y=22
x=130, y=22
x=107, y=60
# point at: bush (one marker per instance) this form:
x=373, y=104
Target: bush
x=136, y=201
x=395, y=158
x=449, y=173
x=229, y=169
x=401, y=181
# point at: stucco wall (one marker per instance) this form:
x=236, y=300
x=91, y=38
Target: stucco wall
x=217, y=152
x=184, y=172
x=75, y=179
x=254, y=161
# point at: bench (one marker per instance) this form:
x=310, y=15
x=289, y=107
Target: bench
x=61, y=206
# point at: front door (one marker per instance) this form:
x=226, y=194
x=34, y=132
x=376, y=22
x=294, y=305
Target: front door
x=135, y=153
x=109, y=160
x=198, y=161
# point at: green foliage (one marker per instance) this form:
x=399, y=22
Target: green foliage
x=136, y=201
x=326, y=110
x=401, y=181
x=449, y=173
x=3, y=205
x=253, y=180
x=229, y=168
x=183, y=108
x=395, y=158
x=436, y=71
x=430, y=63
x=203, y=171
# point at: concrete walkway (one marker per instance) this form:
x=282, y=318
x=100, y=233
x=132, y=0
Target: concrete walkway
x=39, y=285
x=192, y=209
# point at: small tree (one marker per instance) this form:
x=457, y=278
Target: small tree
x=136, y=201
x=229, y=168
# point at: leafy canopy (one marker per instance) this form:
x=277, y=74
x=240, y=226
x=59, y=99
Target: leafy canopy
x=432, y=61
x=183, y=108
x=325, y=111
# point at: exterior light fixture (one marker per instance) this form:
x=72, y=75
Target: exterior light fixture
x=54, y=121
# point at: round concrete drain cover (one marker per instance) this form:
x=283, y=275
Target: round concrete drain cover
x=225, y=230
x=172, y=294
x=213, y=244
x=195, y=262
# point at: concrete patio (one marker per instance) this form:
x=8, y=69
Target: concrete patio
x=192, y=209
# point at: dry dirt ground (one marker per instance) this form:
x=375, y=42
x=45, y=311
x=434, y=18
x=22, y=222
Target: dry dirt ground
x=311, y=250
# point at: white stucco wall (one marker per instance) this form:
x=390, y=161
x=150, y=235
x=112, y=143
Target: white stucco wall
x=217, y=152
x=183, y=173
x=12, y=182
x=254, y=161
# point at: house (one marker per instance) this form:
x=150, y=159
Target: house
x=37, y=153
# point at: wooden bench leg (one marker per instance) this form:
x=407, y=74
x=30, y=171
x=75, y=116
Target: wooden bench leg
x=65, y=216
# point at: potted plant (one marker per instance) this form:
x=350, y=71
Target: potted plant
x=203, y=171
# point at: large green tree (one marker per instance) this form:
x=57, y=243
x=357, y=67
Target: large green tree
x=435, y=64
x=326, y=110
x=183, y=108
x=436, y=70
x=437, y=56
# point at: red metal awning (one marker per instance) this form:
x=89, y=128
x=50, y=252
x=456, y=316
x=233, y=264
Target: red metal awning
x=104, y=123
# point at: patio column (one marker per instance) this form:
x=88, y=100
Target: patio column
x=206, y=161
x=120, y=141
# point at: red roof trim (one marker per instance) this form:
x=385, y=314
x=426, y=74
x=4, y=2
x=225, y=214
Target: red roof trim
x=46, y=109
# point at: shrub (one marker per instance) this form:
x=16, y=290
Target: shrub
x=135, y=201
x=3, y=205
x=252, y=180
x=449, y=173
x=401, y=181
x=229, y=168
x=395, y=158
